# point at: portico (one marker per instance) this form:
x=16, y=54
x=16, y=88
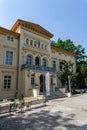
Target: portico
x=36, y=79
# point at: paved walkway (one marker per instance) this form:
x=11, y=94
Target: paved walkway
x=58, y=114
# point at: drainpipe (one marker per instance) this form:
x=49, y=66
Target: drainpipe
x=18, y=69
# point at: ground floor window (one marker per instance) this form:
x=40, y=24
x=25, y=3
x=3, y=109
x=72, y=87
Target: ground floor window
x=7, y=81
x=33, y=79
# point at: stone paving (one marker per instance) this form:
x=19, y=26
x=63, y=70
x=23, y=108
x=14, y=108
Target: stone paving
x=58, y=114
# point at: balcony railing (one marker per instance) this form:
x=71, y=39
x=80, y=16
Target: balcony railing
x=38, y=68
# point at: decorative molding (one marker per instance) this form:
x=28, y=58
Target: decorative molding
x=5, y=46
x=6, y=71
x=37, y=51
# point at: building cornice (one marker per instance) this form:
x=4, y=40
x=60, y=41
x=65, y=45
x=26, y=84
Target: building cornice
x=6, y=31
x=33, y=27
x=63, y=51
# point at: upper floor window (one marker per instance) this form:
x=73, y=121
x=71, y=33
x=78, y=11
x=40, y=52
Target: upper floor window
x=53, y=51
x=37, y=61
x=42, y=46
x=35, y=43
x=45, y=47
x=7, y=81
x=31, y=42
x=60, y=53
x=29, y=60
x=44, y=62
x=61, y=67
x=9, y=38
x=27, y=41
x=9, y=58
x=54, y=64
x=38, y=44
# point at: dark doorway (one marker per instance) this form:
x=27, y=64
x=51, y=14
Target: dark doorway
x=42, y=83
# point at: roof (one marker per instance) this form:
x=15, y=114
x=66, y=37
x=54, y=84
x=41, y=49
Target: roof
x=63, y=51
x=4, y=30
x=32, y=26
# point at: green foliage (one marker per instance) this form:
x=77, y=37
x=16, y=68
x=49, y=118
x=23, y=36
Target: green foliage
x=86, y=81
x=66, y=71
x=53, y=43
x=79, y=79
x=68, y=45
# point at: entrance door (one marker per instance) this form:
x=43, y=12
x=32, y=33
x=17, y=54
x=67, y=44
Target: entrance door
x=42, y=83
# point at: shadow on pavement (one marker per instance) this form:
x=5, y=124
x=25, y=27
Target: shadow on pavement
x=43, y=120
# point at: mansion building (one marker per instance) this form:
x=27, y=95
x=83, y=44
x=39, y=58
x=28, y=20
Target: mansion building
x=26, y=55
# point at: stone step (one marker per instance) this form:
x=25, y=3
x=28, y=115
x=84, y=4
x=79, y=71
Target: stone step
x=55, y=95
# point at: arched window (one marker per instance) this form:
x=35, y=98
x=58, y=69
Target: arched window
x=29, y=59
x=37, y=61
x=44, y=62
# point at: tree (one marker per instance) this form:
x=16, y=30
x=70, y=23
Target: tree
x=53, y=43
x=68, y=45
x=79, y=79
x=66, y=72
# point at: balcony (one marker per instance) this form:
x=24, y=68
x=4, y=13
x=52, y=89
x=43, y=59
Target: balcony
x=38, y=68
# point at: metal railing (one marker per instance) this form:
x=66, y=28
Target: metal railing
x=38, y=68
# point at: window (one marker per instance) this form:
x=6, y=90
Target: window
x=53, y=51
x=7, y=81
x=54, y=64
x=32, y=79
x=44, y=62
x=35, y=43
x=9, y=38
x=27, y=41
x=61, y=67
x=29, y=60
x=45, y=47
x=9, y=58
x=60, y=54
x=42, y=46
x=37, y=61
x=31, y=42
x=38, y=44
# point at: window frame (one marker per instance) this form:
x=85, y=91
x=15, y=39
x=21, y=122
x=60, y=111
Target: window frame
x=44, y=62
x=31, y=42
x=54, y=64
x=27, y=41
x=32, y=79
x=37, y=60
x=8, y=80
x=29, y=60
x=9, y=57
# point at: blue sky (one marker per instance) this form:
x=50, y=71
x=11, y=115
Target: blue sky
x=66, y=19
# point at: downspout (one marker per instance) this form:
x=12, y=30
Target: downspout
x=18, y=69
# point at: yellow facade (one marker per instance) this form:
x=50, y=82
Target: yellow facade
x=29, y=56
